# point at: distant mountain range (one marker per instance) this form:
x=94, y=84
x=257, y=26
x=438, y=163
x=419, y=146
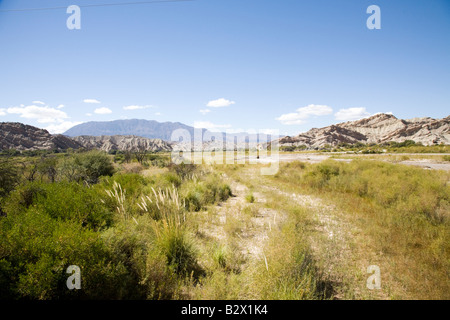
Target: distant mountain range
x=155, y=130
x=378, y=128
x=143, y=128
x=154, y=136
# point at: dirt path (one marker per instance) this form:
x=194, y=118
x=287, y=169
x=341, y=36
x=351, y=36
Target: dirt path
x=250, y=223
x=335, y=242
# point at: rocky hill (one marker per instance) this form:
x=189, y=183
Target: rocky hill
x=15, y=135
x=129, y=143
x=379, y=128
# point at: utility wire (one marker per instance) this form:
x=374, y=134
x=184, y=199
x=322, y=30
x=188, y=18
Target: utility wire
x=96, y=5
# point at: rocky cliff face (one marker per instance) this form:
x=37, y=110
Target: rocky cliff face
x=379, y=128
x=15, y=135
x=122, y=143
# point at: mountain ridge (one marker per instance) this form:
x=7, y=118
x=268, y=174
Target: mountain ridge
x=151, y=129
x=379, y=128
x=22, y=137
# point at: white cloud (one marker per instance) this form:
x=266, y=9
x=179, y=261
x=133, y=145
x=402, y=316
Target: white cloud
x=61, y=127
x=102, y=110
x=89, y=114
x=60, y=106
x=351, y=114
x=304, y=113
x=38, y=102
x=136, y=107
x=269, y=131
x=2, y=112
x=91, y=101
x=210, y=126
x=40, y=114
x=158, y=113
x=291, y=118
x=219, y=103
x=204, y=111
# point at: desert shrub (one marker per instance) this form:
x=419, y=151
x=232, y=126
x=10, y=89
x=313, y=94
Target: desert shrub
x=193, y=199
x=224, y=192
x=69, y=201
x=87, y=166
x=175, y=243
x=199, y=193
x=138, y=259
x=322, y=173
x=133, y=183
x=134, y=246
x=183, y=170
x=69, y=169
x=169, y=179
x=220, y=256
x=119, y=158
x=95, y=164
x=24, y=196
x=159, y=160
x=9, y=177
x=134, y=167
x=37, y=250
x=250, y=198
x=48, y=167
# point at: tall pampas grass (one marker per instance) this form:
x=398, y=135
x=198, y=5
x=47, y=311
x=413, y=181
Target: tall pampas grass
x=118, y=195
x=164, y=204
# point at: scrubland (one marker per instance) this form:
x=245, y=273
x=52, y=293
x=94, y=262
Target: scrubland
x=156, y=230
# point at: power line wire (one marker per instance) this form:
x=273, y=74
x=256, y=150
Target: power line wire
x=96, y=5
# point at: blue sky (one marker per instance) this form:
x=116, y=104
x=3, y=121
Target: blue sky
x=224, y=64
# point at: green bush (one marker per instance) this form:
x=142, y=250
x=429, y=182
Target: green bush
x=183, y=170
x=88, y=166
x=36, y=250
x=178, y=247
x=69, y=201
x=250, y=198
x=133, y=183
x=135, y=246
x=9, y=177
x=198, y=193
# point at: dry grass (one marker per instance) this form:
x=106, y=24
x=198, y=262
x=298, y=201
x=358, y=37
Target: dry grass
x=402, y=216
